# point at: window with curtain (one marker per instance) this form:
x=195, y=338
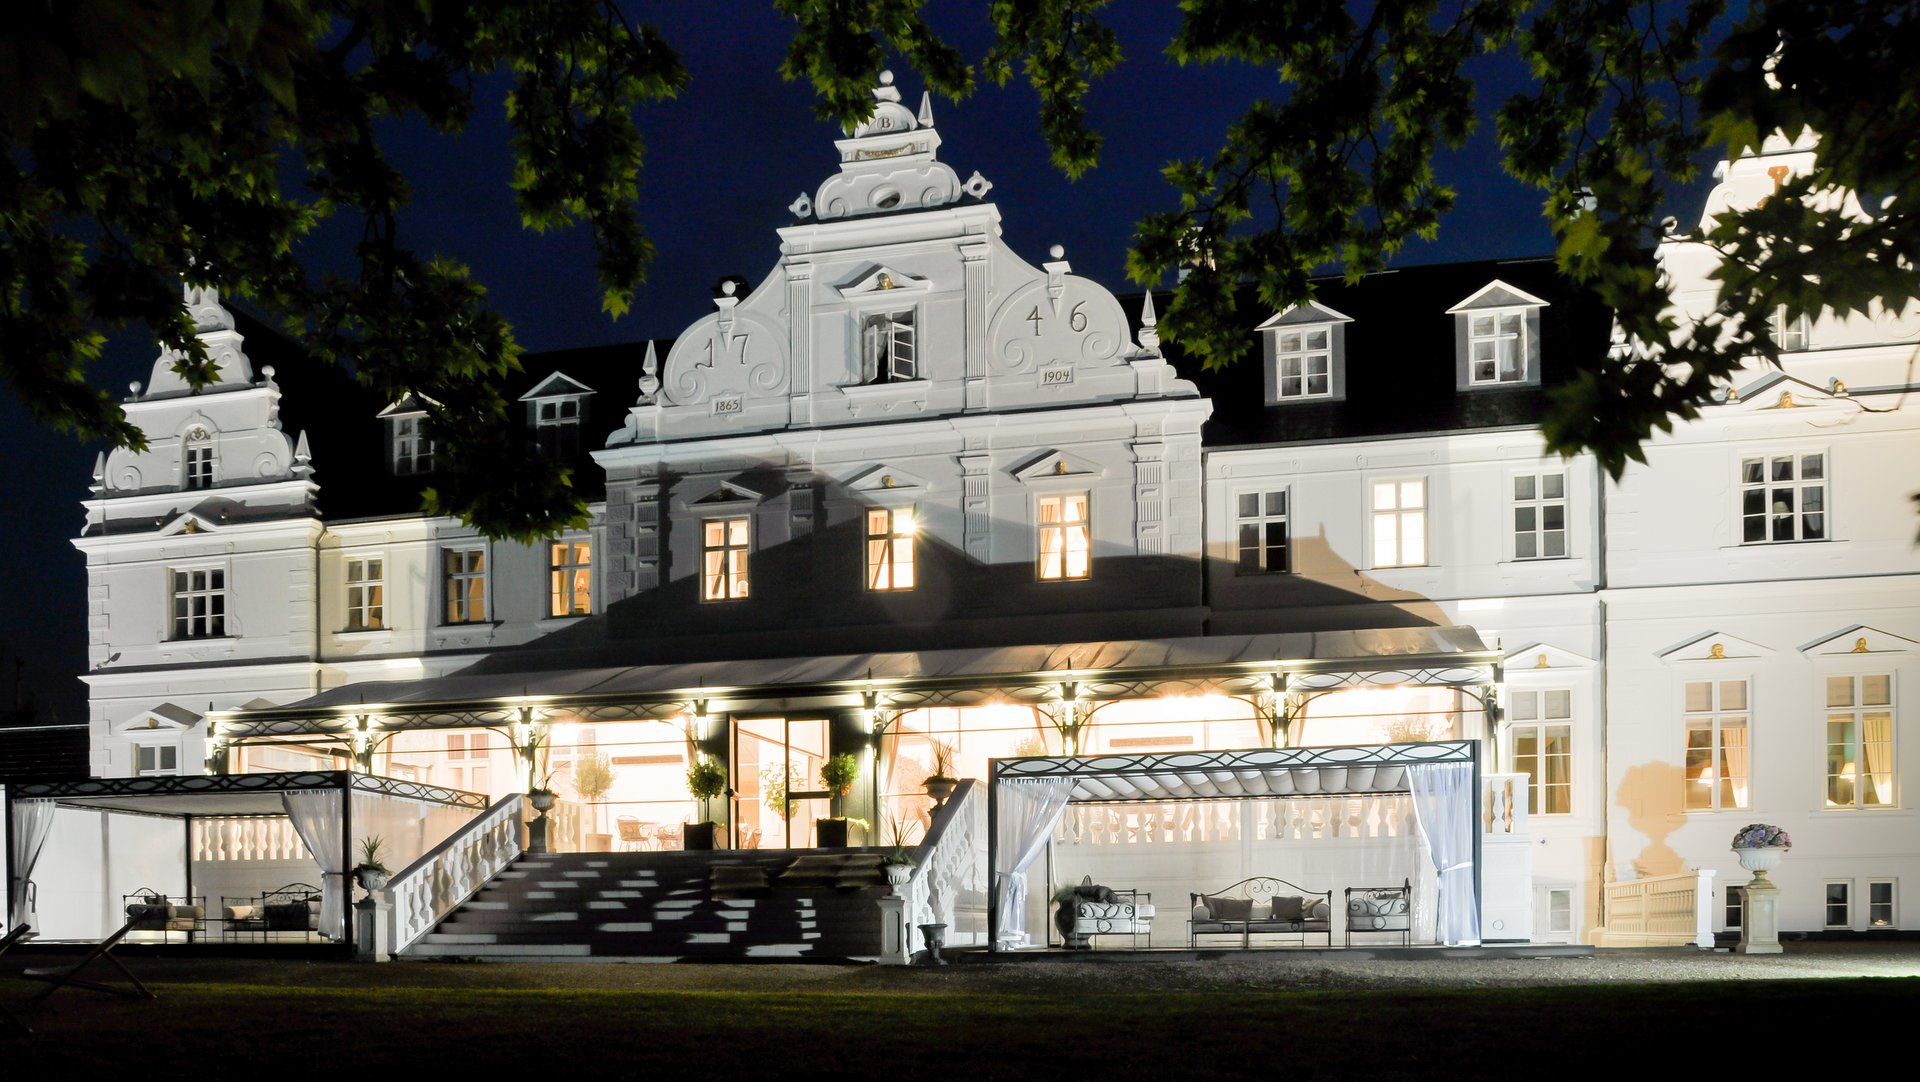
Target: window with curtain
x=1783, y=498
x=725, y=543
x=1065, y=546
x=1860, y=741
x=1717, y=748
x=569, y=578
x=1541, y=728
x=890, y=533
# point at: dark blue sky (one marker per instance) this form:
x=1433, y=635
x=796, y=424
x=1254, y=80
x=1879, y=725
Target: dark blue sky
x=724, y=160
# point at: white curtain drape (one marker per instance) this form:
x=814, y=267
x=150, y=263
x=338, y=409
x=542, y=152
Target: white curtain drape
x=32, y=822
x=1443, y=808
x=316, y=816
x=1028, y=810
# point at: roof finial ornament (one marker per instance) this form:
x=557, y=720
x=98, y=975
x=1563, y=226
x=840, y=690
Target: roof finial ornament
x=885, y=91
x=926, y=109
x=1149, y=324
x=649, y=373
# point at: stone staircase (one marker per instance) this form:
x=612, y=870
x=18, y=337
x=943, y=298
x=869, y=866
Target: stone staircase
x=800, y=905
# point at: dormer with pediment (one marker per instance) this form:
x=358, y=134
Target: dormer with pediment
x=557, y=414
x=1497, y=338
x=896, y=299
x=222, y=442
x=1305, y=354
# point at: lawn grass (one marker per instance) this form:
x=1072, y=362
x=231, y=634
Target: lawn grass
x=344, y=1019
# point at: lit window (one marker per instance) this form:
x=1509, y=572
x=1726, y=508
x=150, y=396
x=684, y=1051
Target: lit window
x=1539, y=516
x=1783, y=498
x=890, y=548
x=724, y=550
x=1305, y=360
x=1399, y=523
x=1881, y=912
x=888, y=352
x=1839, y=903
x=1497, y=346
x=412, y=445
x=1065, y=546
x=1717, y=748
x=366, y=594
x=1261, y=544
x=199, y=461
x=199, y=603
x=1860, y=741
x=464, y=572
x=556, y=427
x=569, y=578
x=1542, y=732
x=156, y=759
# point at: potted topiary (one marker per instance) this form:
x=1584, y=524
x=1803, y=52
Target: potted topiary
x=837, y=774
x=706, y=779
x=372, y=874
x=941, y=783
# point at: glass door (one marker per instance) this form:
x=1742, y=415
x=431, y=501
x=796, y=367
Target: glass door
x=776, y=781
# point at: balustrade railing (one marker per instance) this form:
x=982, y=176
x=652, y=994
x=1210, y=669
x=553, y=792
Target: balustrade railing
x=1301, y=819
x=948, y=864
x=253, y=837
x=1660, y=911
x=447, y=875
x=1503, y=804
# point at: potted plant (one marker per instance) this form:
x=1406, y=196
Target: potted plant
x=837, y=774
x=941, y=783
x=896, y=865
x=592, y=777
x=1761, y=847
x=372, y=874
x=706, y=779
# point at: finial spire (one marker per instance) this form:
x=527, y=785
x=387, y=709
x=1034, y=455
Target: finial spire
x=926, y=109
x=649, y=374
x=1149, y=334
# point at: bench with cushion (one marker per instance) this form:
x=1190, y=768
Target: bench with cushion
x=1381, y=909
x=292, y=908
x=1261, y=906
x=151, y=911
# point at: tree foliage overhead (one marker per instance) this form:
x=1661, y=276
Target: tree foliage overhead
x=153, y=143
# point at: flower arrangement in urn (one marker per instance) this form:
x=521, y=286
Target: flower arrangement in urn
x=1761, y=836
x=1761, y=847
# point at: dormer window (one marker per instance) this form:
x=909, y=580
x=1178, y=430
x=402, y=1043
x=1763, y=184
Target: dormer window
x=1305, y=354
x=1497, y=343
x=197, y=468
x=412, y=446
x=888, y=351
x=556, y=426
x=1791, y=335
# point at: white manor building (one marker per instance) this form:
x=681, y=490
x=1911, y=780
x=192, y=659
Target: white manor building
x=912, y=495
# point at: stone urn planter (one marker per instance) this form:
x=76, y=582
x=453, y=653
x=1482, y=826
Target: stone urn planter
x=371, y=881
x=541, y=799
x=1760, y=847
x=941, y=790
x=1761, y=861
x=897, y=875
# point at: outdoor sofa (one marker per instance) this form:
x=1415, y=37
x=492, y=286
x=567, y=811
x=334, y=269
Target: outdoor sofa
x=1262, y=905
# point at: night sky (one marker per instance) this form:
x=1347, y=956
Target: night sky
x=723, y=162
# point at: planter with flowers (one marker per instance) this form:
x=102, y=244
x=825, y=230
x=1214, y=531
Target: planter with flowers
x=1760, y=847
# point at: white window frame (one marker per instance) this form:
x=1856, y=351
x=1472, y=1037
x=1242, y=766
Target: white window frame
x=159, y=753
x=366, y=594
x=196, y=460
x=1496, y=333
x=569, y=577
x=891, y=565
x=897, y=330
x=1857, y=712
x=1845, y=904
x=729, y=580
x=1715, y=717
x=1304, y=354
x=558, y=423
x=1534, y=713
x=1892, y=904
x=1390, y=524
x=1056, y=537
x=1733, y=911
x=1765, y=512
x=457, y=609
x=1566, y=893
x=1263, y=517
x=411, y=446
x=1532, y=511
x=1792, y=336
x=210, y=622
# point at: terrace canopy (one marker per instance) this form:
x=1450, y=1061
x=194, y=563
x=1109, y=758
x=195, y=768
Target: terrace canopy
x=1026, y=798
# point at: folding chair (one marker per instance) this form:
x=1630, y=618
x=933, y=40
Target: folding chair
x=13, y=937
x=70, y=976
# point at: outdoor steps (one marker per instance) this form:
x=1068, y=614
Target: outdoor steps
x=668, y=906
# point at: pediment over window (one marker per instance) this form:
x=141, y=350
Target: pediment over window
x=884, y=478
x=1301, y=314
x=1051, y=464
x=1541, y=656
x=1497, y=294
x=727, y=492
x=1779, y=391
x=165, y=718
x=880, y=280
x=187, y=522
x=1715, y=646
x=408, y=404
x=1860, y=640
x=557, y=385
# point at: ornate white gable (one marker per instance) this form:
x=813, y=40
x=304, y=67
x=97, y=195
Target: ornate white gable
x=1541, y=656
x=1716, y=646
x=886, y=479
x=1307, y=312
x=1051, y=464
x=164, y=718
x=1498, y=294
x=1860, y=640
